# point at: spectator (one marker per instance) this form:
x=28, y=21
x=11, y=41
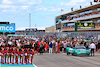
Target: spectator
x=54, y=47
x=46, y=47
x=58, y=46
x=0, y=43
x=98, y=46
x=41, y=49
x=61, y=46
x=9, y=43
x=50, y=47
x=65, y=45
x=92, y=47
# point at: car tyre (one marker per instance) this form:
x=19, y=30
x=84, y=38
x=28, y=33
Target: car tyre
x=67, y=53
x=72, y=54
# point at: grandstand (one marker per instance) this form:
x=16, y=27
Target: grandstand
x=88, y=19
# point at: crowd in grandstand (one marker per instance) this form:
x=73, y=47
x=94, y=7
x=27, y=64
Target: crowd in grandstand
x=83, y=15
x=97, y=24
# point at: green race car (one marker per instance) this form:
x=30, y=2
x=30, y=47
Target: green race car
x=78, y=51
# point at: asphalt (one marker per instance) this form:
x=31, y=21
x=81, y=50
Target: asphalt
x=62, y=60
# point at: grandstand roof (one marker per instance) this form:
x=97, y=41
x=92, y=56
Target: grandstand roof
x=82, y=10
x=24, y=28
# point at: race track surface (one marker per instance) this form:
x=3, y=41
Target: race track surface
x=62, y=60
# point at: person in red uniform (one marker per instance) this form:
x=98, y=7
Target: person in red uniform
x=17, y=54
x=46, y=47
x=25, y=52
x=38, y=45
x=5, y=53
x=31, y=54
x=22, y=55
x=10, y=52
x=13, y=52
x=28, y=54
x=0, y=52
x=2, y=55
x=58, y=46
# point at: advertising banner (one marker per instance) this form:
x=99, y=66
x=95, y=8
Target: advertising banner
x=80, y=26
x=7, y=28
x=85, y=25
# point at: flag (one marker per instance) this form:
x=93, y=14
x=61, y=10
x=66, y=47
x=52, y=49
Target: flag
x=95, y=0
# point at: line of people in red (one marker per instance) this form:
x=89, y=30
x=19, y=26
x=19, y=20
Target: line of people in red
x=13, y=53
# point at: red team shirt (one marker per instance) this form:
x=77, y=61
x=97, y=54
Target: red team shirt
x=17, y=53
x=1, y=52
x=10, y=51
x=31, y=52
x=5, y=51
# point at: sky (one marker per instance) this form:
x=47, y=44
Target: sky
x=43, y=12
